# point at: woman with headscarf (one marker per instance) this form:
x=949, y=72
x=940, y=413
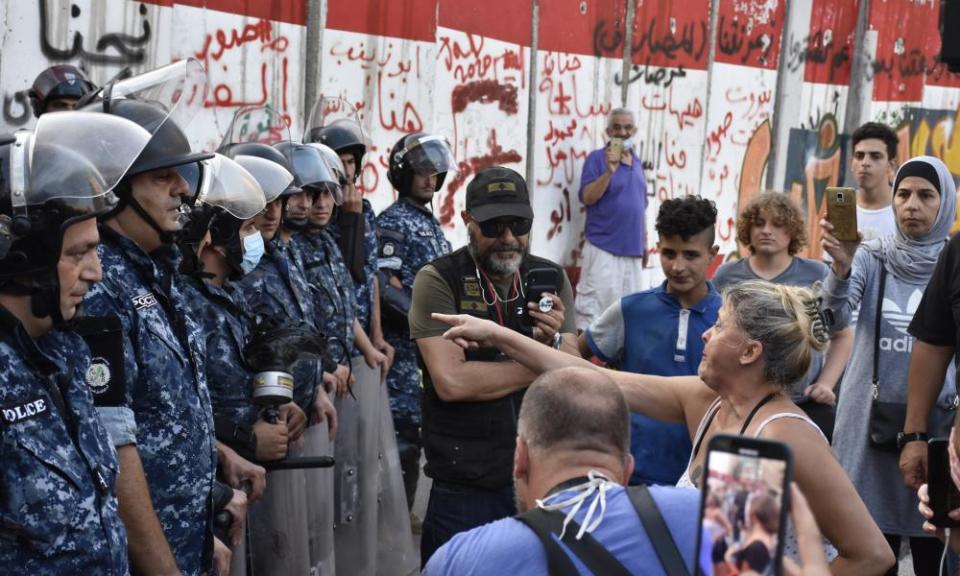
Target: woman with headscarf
x=885, y=280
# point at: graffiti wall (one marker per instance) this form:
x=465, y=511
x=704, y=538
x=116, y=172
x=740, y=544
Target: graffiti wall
x=731, y=96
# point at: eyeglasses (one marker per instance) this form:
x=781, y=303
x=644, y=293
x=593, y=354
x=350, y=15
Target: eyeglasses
x=494, y=228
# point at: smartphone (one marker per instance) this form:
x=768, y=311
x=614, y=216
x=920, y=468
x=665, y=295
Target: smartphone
x=842, y=212
x=536, y=282
x=944, y=495
x=743, y=506
x=617, y=145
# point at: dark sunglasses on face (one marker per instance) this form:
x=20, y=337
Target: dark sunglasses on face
x=494, y=228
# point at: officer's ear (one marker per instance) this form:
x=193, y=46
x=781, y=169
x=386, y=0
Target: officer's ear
x=465, y=217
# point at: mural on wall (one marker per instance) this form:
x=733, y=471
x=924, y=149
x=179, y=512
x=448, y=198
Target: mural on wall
x=462, y=69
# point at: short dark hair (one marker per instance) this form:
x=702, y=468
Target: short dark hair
x=574, y=409
x=686, y=217
x=880, y=132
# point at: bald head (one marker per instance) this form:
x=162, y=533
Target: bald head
x=575, y=410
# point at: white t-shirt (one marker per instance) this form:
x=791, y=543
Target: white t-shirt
x=876, y=223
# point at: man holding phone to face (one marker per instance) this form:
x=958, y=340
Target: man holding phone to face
x=614, y=191
x=470, y=400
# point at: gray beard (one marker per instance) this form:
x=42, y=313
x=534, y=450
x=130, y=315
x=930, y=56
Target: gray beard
x=495, y=267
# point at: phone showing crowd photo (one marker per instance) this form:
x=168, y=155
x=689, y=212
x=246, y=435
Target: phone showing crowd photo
x=944, y=496
x=743, y=507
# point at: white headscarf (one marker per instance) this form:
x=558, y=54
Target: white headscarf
x=913, y=259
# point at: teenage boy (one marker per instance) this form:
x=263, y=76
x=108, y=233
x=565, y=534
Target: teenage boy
x=666, y=325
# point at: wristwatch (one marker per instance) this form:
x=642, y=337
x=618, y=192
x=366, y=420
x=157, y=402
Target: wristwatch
x=904, y=438
x=557, y=340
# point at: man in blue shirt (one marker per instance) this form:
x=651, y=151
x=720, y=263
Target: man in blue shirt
x=667, y=324
x=614, y=191
x=572, y=450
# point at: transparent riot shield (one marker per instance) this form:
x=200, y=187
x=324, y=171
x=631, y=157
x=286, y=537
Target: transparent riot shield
x=320, y=502
x=358, y=437
x=278, y=527
x=396, y=554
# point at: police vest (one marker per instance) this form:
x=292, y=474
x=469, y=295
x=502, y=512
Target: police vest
x=473, y=443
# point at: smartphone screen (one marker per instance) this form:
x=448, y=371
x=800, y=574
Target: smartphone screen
x=743, y=507
x=944, y=495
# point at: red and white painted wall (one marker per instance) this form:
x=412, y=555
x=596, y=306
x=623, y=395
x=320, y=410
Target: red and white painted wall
x=732, y=96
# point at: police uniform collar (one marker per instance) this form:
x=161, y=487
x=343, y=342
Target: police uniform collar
x=421, y=207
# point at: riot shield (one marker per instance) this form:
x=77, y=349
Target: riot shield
x=396, y=554
x=320, y=502
x=356, y=452
x=278, y=527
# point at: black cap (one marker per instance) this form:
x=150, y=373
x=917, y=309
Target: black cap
x=496, y=192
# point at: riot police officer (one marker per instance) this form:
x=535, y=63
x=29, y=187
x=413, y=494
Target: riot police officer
x=162, y=425
x=58, y=469
x=410, y=236
x=58, y=88
x=356, y=227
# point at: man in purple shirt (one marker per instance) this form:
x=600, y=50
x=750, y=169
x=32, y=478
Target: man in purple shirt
x=613, y=189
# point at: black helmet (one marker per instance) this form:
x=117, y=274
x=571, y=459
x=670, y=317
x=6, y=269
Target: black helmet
x=162, y=101
x=344, y=137
x=49, y=181
x=421, y=153
x=60, y=81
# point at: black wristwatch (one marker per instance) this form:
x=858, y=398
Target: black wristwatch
x=903, y=438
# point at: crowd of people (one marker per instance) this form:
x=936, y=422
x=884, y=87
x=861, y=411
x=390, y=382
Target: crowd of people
x=177, y=322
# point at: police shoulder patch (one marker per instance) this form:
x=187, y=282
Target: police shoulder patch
x=98, y=376
x=388, y=249
x=24, y=411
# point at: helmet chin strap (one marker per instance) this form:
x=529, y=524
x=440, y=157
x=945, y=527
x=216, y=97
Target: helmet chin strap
x=45, y=300
x=165, y=236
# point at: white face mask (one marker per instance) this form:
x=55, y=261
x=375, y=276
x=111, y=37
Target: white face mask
x=253, y=249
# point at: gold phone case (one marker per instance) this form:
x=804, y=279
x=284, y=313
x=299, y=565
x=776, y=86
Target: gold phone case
x=842, y=212
x=617, y=145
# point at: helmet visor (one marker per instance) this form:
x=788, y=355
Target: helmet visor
x=429, y=155
x=94, y=149
x=180, y=89
x=272, y=177
x=227, y=185
x=332, y=110
x=309, y=166
x=261, y=124
x=337, y=171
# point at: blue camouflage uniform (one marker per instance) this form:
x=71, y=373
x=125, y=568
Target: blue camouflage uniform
x=219, y=312
x=58, y=469
x=278, y=290
x=410, y=236
x=332, y=287
x=166, y=390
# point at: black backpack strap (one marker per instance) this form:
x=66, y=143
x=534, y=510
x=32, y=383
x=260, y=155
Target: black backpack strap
x=597, y=558
x=657, y=531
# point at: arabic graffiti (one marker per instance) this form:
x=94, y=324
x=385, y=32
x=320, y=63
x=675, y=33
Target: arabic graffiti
x=820, y=48
x=667, y=47
x=127, y=48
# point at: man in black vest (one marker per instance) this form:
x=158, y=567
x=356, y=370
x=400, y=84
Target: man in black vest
x=471, y=399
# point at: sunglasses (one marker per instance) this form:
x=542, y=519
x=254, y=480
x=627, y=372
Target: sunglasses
x=494, y=228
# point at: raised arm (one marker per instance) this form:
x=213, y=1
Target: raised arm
x=670, y=399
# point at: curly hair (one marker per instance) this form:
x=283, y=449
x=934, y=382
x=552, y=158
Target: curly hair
x=686, y=217
x=782, y=210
